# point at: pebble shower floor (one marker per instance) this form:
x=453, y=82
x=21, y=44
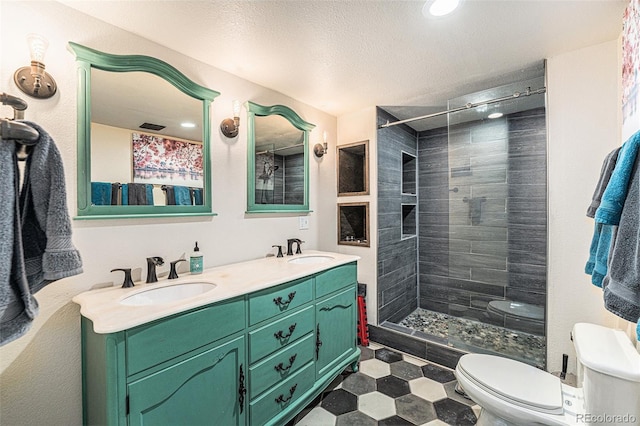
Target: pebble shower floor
x=474, y=336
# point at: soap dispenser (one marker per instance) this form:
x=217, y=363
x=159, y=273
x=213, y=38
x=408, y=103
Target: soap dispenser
x=196, y=261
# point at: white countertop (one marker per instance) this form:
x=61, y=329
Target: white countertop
x=103, y=307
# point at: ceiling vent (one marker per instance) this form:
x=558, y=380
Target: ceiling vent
x=151, y=126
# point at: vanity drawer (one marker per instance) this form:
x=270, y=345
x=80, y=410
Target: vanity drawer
x=280, y=365
x=279, y=334
x=161, y=340
x=283, y=298
x=335, y=279
x=282, y=396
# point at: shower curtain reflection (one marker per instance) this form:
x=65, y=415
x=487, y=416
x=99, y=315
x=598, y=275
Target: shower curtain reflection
x=481, y=250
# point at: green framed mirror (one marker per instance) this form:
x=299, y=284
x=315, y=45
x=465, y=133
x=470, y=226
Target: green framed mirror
x=277, y=160
x=143, y=138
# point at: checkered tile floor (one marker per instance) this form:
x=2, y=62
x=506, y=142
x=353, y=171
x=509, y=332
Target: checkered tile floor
x=391, y=389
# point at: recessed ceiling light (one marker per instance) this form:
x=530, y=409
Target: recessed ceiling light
x=495, y=115
x=188, y=125
x=439, y=7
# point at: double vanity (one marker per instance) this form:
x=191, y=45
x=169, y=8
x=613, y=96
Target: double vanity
x=250, y=343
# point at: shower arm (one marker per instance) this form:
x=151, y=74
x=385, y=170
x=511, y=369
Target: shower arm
x=469, y=105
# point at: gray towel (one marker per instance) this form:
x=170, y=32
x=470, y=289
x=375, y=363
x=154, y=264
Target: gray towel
x=622, y=283
x=137, y=194
x=17, y=306
x=46, y=229
x=605, y=174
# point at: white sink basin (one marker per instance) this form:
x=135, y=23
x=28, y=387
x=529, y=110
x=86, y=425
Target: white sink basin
x=306, y=260
x=172, y=293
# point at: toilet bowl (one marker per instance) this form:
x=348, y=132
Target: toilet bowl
x=513, y=393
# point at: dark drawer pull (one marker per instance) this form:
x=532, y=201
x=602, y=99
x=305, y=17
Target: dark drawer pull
x=282, y=399
x=280, y=368
x=278, y=300
x=281, y=336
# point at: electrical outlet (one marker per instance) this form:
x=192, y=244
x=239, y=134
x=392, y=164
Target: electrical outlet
x=304, y=222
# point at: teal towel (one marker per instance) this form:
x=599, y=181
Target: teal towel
x=614, y=196
x=182, y=195
x=638, y=330
x=197, y=196
x=101, y=193
x=149, y=191
x=599, y=252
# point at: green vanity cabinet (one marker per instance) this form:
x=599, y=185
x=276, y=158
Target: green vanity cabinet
x=256, y=359
x=185, y=366
x=333, y=340
x=193, y=391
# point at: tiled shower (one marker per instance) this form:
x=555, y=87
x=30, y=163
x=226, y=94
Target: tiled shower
x=462, y=225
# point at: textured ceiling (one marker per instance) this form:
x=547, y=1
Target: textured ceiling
x=342, y=56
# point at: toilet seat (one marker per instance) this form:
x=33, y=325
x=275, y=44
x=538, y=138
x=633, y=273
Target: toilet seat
x=514, y=382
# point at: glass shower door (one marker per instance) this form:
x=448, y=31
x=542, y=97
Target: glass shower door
x=497, y=167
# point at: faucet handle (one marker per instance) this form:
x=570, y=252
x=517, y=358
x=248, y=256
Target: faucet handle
x=173, y=273
x=156, y=260
x=279, y=250
x=299, y=241
x=128, y=282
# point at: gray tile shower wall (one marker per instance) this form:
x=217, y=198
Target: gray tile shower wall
x=397, y=267
x=294, y=179
x=482, y=216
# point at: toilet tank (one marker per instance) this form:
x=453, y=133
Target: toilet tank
x=609, y=374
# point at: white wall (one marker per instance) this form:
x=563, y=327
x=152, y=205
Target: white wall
x=40, y=373
x=583, y=127
x=355, y=127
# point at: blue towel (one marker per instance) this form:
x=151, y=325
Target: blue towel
x=613, y=197
x=638, y=330
x=197, y=196
x=599, y=253
x=182, y=195
x=101, y=193
x=149, y=191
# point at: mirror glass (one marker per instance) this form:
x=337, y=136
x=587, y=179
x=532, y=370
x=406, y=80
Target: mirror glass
x=143, y=138
x=278, y=160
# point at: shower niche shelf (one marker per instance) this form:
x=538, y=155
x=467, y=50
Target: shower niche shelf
x=353, y=169
x=353, y=224
x=409, y=174
x=409, y=224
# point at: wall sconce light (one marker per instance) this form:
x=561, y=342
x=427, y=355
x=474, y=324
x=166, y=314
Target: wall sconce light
x=320, y=150
x=229, y=126
x=33, y=80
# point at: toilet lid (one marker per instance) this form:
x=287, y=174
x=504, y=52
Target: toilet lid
x=515, y=381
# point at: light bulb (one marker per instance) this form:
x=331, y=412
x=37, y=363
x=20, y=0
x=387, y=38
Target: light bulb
x=37, y=47
x=236, y=108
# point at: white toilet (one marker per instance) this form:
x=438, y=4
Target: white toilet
x=513, y=393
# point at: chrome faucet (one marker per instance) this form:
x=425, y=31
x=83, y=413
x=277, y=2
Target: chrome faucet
x=152, y=262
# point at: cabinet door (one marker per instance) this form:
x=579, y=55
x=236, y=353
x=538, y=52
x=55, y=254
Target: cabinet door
x=201, y=390
x=335, y=329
